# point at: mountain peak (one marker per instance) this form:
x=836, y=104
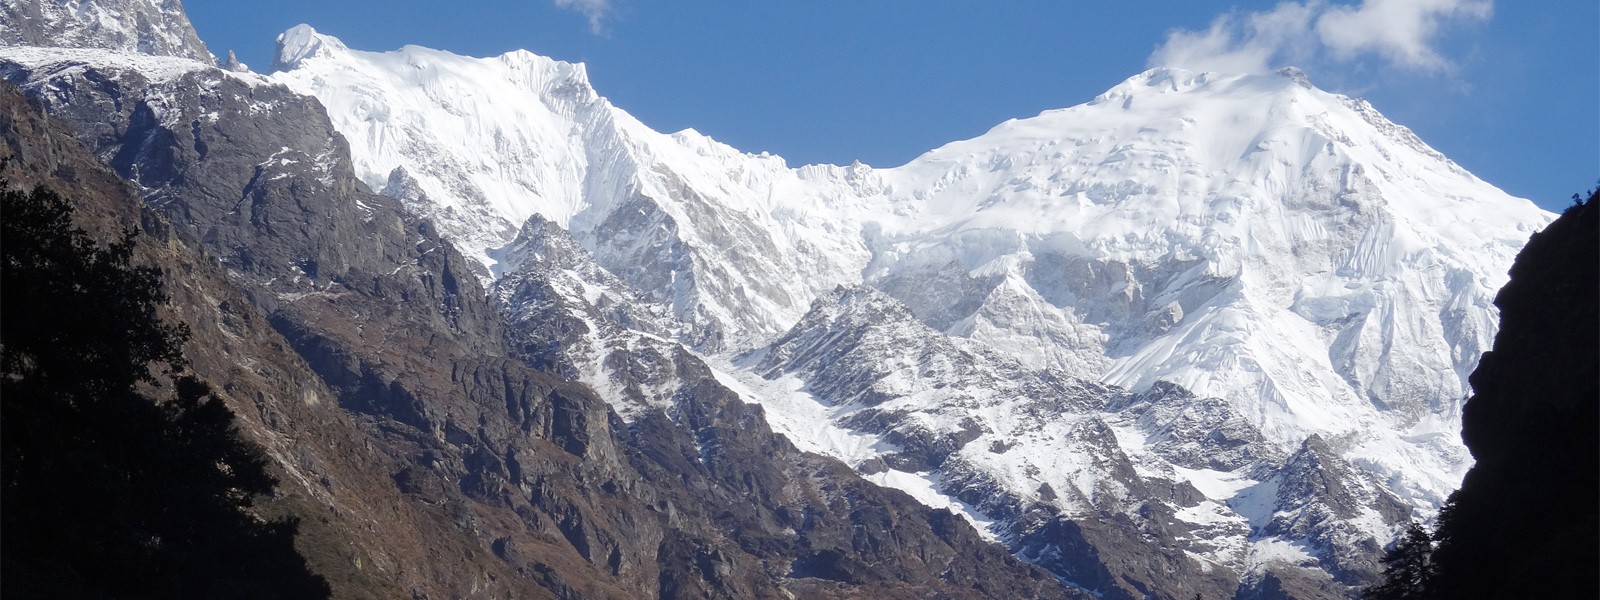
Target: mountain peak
x=302, y=42
x=1157, y=80
x=1296, y=75
x=1174, y=80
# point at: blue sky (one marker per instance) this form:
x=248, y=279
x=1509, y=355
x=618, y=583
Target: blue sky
x=1510, y=90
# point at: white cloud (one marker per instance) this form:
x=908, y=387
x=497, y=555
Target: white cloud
x=1240, y=43
x=1400, y=32
x=595, y=10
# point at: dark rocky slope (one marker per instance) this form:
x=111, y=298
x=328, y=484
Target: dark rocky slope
x=330, y=477
x=123, y=476
x=424, y=457
x=1526, y=521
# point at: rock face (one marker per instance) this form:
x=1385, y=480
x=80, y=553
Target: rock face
x=1157, y=493
x=155, y=27
x=424, y=456
x=1524, y=522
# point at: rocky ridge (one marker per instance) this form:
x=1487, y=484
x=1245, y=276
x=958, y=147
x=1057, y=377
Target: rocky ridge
x=1115, y=490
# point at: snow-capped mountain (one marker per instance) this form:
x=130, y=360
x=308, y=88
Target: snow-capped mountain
x=1272, y=262
x=1203, y=332
x=481, y=145
x=1247, y=237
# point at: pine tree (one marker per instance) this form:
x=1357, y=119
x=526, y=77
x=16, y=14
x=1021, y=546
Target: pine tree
x=122, y=475
x=1407, y=568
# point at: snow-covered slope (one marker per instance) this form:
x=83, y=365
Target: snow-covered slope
x=1247, y=237
x=1315, y=275
x=736, y=244
x=1186, y=485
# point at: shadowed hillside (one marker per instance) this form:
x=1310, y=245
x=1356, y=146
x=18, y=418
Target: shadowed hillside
x=1524, y=523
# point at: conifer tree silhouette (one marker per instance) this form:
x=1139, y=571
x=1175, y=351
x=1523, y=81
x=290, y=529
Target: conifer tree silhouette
x=122, y=475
